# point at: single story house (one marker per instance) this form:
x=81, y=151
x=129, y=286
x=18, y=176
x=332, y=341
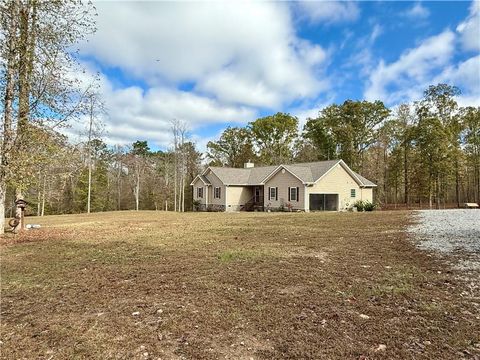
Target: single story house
x=323, y=185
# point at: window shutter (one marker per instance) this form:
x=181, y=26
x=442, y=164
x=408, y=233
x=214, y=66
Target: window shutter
x=269, y=193
x=289, y=193
x=298, y=196
x=276, y=194
x=219, y=192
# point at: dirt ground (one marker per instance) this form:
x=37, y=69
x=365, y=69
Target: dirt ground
x=155, y=285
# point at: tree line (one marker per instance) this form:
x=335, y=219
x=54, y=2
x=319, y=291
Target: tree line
x=426, y=153
x=131, y=177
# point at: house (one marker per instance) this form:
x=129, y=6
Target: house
x=324, y=185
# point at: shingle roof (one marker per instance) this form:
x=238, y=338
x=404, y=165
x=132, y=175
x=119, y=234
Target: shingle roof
x=260, y=173
x=365, y=181
x=232, y=176
x=205, y=179
x=306, y=172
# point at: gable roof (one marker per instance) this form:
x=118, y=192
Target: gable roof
x=308, y=173
x=366, y=182
x=231, y=176
x=202, y=178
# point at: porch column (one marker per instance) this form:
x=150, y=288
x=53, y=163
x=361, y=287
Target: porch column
x=226, y=192
x=206, y=197
x=306, y=204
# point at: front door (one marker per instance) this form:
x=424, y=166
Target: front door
x=257, y=194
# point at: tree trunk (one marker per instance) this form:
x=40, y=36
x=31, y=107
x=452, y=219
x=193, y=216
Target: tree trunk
x=457, y=184
x=43, y=194
x=183, y=193
x=26, y=53
x=430, y=193
x=8, y=135
x=89, y=148
x=3, y=190
x=119, y=186
x=405, y=175
x=39, y=193
x=477, y=184
x=137, y=192
x=89, y=195
x=385, y=175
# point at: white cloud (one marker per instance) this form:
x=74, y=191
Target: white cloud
x=329, y=12
x=465, y=75
x=376, y=32
x=405, y=78
x=138, y=114
x=417, y=11
x=470, y=28
x=241, y=53
x=135, y=114
x=431, y=62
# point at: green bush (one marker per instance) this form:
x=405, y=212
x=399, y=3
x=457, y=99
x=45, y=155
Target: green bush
x=196, y=204
x=360, y=205
x=368, y=206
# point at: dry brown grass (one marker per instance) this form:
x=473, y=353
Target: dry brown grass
x=236, y=286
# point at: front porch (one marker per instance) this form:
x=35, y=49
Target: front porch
x=255, y=202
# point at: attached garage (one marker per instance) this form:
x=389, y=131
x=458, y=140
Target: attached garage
x=323, y=202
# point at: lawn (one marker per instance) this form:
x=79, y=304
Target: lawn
x=150, y=285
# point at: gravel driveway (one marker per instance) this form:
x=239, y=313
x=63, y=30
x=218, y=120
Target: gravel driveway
x=450, y=232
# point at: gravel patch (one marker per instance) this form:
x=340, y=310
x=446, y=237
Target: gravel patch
x=450, y=232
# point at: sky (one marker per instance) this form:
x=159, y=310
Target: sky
x=218, y=64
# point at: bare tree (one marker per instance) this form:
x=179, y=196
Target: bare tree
x=179, y=132
x=9, y=27
x=96, y=106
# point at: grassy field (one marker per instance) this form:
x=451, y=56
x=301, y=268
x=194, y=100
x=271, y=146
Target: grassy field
x=155, y=285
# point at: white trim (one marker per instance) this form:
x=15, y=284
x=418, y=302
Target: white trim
x=306, y=200
x=198, y=191
x=352, y=174
x=354, y=191
x=349, y=171
x=290, y=188
x=199, y=177
x=274, y=172
x=206, y=198
x=270, y=193
x=226, y=203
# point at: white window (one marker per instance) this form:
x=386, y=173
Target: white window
x=353, y=193
x=217, y=193
x=200, y=192
x=293, y=194
x=272, y=193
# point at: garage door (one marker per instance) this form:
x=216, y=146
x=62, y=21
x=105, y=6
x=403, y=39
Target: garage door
x=324, y=202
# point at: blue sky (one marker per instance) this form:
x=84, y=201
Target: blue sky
x=218, y=64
